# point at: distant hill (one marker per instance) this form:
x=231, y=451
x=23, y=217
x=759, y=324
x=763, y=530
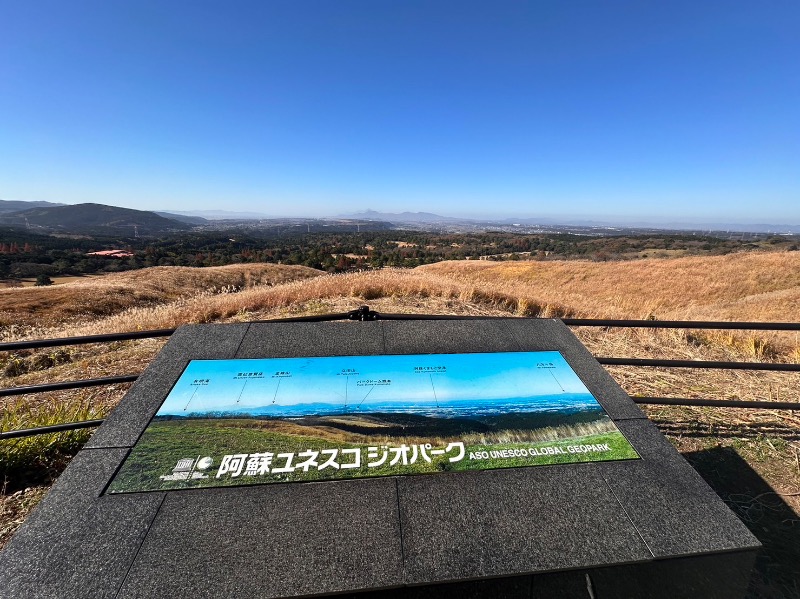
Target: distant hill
x=114, y=293
x=92, y=218
x=7, y=206
x=183, y=218
x=218, y=214
x=659, y=226
x=403, y=217
x=428, y=218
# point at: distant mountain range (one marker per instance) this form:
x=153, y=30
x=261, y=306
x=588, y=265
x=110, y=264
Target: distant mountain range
x=97, y=219
x=207, y=215
x=183, y=218
x=733, y=227
x=669, y=226
x=103, y=219
x=7, y=206
x=404, y=217
x=430, y=218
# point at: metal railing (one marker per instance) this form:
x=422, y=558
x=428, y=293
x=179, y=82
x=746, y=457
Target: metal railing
x=365, y=314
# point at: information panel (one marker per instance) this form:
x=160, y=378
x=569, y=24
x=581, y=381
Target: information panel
x=244, y=422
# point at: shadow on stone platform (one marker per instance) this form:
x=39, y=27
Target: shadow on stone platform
x=776, y=574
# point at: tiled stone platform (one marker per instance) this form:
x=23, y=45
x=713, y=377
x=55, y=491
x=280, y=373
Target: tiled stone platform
x=639, y=528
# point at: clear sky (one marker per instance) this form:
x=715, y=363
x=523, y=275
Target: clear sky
x=323, y=380
x=678, y=110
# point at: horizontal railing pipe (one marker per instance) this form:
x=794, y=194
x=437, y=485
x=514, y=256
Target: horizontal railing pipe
x=682, y=324
x=45, y=387
x=84, y=339
x=313, y=318
x=382, y=316
x=717, y=403
x=45, y=430
x=702, y=364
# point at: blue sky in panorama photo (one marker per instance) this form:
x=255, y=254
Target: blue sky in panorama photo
x=361, y=381
x=624, y=109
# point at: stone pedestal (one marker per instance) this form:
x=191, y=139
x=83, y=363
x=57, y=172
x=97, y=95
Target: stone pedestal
x=637, y=528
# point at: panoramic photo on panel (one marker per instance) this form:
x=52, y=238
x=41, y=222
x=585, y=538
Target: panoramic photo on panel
x=241, y=422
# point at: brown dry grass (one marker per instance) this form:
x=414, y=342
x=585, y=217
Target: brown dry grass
x=745, y=286
x=90, y=298
x=228, y=301
x=759, y=286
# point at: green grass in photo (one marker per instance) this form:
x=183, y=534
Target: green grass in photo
x=166, y=442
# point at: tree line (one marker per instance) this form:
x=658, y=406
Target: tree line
x=25, y=255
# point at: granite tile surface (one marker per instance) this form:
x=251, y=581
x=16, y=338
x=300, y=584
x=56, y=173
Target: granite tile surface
x=298, y=339
x=447, y=336
x=76, y=543
x=673, y=508
x=463, y=526
x=271, y=541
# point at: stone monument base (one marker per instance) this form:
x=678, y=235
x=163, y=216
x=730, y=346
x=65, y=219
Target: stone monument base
x=648, y=527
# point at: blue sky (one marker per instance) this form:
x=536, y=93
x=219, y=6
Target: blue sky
x=321, y=380
x=665, y=111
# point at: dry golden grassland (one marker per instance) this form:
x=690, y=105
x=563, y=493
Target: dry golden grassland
x=23, y=310
x=747, y=286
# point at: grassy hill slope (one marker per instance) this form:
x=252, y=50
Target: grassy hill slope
x=24, y=309
x=757, y=286
x=97, y=218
